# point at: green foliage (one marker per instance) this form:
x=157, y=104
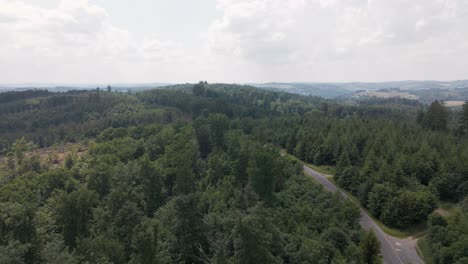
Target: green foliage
x=100, y=249
x=151, y=184
x=14, y=252
x=218, y=124
x=99, y=179
x=463, y=120
x=180, y=162
x=436, y=117
x=74, y=214
x=199, y=89
x=448, y=237
x=19, y=148
x=194, y=174
x=190, y=244
x=408, y=208
x=384, y=162
x=261, y=172
x=370, y=248
x=70, y=116
x=16, y=223
x=379, y=198
x=145, y=243
x=255, y=238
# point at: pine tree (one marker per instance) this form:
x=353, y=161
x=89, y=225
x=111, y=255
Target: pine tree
x=145, y=243
x=199, y=89
x=180, y=161
x=261, y=173
x=151, y=184
x=190, y=240
x=218, y=123
x=370, y=248
x=74, y=214
x=255, y=239
x=464, y=118
x=436, y=117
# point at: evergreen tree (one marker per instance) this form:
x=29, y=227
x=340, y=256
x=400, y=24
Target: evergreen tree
x=464, y=117
x=219, y=124
x=379, y=197
x=254, y=239
x=190, y=242
x=99, y=179
x=261, y=173
x=199, y=89
x=436, y=117
x=145, y=243
x=370, y=248
x=180, y=162
x=74, y=214
x=151, y=185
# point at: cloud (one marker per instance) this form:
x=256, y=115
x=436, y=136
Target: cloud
x=75, y=39
x=341, y=40
x=256, y=30
x=249, y=41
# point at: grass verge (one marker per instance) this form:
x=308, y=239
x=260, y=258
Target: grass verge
x=328, y=171
x=424, y=251
x=399, y=233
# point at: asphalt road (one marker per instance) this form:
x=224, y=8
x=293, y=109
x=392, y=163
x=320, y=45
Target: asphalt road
x=394, y=250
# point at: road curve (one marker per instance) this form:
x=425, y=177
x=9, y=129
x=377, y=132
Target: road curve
x=394, y=250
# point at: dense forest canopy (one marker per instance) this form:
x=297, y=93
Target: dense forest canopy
x=195, y=174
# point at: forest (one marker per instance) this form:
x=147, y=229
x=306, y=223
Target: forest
x=196, y=174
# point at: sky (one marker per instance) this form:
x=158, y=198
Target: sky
x=232, y=41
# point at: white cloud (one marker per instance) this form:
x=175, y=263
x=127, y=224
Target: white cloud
x=345, y=40
x=251, y=40
x=75, y=41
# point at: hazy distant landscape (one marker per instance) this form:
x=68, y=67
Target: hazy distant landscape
x=454, y=93
x=422, y=91
x=63, y=87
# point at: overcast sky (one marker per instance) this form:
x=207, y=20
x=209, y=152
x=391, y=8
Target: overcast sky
x=89, y=41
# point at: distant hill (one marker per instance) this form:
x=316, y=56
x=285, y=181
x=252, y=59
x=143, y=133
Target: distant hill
x=326, y=90
x=423, y=91
x=63, y=87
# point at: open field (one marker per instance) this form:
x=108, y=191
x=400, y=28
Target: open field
x=55, y=155
x=395, y=94
x=454, y=103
